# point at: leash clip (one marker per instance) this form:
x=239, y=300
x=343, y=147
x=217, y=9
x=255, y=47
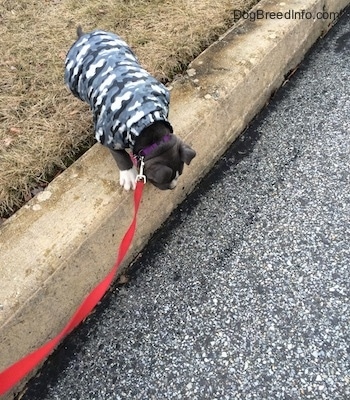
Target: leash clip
x=141, y=176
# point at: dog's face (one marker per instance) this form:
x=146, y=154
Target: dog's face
x=164, y=167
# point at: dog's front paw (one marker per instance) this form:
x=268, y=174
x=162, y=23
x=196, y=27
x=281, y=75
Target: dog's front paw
x=127, y=178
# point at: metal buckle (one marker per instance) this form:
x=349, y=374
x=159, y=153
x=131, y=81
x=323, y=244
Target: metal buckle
x=141, y=176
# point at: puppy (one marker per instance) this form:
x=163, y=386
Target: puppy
x=130, y=108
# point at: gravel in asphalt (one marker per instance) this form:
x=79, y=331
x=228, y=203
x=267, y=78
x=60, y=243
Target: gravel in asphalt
x=244, y=292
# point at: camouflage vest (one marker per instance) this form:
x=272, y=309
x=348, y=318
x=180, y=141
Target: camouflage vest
x=102, y=70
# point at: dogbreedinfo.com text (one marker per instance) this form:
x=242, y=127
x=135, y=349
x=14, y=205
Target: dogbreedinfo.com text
x=290, y=14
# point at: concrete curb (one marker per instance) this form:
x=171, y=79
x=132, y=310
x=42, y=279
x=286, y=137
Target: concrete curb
x=57, y=247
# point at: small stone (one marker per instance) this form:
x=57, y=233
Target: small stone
x=43, y=196
x=191, y=72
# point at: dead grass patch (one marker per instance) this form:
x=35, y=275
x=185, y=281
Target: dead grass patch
x=42, y=126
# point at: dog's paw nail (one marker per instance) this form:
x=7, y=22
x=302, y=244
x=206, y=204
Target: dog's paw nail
x=126, y=186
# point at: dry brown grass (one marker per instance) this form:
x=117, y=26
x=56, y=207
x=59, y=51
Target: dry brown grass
x=42, y=126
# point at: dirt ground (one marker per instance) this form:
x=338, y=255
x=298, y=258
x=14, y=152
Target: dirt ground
x=43, y=128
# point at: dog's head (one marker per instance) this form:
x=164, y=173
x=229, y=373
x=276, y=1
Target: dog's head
x=165, y=162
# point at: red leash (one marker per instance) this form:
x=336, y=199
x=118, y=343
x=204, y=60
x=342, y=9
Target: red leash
x=17, y=371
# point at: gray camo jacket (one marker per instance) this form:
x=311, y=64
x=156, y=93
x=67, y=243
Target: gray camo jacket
x=102, y=70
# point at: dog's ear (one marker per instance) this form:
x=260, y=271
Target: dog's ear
x=159, y=173
x=186, y=153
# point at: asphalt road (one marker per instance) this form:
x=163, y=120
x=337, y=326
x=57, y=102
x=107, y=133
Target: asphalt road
x=244, y=293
